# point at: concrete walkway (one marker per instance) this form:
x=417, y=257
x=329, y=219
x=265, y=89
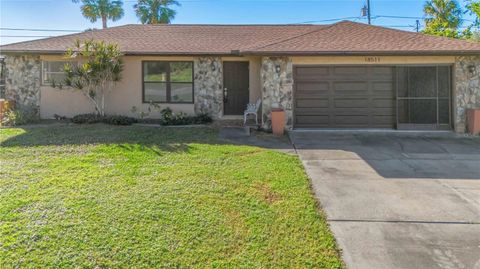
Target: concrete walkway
x=398, y=200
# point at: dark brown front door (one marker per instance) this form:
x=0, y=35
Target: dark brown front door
x=235, y=87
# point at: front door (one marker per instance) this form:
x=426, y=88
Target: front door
x=235, y=87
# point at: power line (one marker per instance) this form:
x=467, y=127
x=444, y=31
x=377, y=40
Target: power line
x=25, y=36
x=397, y=17
x=327, y=20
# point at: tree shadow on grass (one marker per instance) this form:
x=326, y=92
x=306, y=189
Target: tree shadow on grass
x=125, y=137
x=140, y=137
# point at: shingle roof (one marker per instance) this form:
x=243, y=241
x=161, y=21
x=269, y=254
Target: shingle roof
x=340, y=38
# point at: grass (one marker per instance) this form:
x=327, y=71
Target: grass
x=98, y=196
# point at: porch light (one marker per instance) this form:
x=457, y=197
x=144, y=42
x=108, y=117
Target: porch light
x=277, y=69
x=471, y=69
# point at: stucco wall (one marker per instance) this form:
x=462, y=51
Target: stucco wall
x=128, y=92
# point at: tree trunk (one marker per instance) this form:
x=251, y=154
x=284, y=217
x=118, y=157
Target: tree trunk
x=103, y=104
x=104, y=22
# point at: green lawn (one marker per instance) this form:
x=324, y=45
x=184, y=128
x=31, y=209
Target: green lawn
x=98, y=196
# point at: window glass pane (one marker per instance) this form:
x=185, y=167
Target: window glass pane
x=53, y=66
x=181, y=92
x=444, y=111
x=444, y=83
x=402, y=81
x=422, y=82
x=181, y=71
x=417, y=111
x=155, y=71
x=155, y=92
x=53, y=71
x=58, y=78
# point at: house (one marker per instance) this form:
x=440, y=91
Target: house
x=343, y=75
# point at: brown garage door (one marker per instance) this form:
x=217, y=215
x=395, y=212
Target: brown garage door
x=344, y=97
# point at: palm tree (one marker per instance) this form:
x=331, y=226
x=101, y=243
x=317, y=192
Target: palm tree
x=474, y=8
x=155, y=11
x=101, y=9
x=444, y=17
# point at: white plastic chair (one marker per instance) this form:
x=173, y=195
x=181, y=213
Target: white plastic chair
x=252, y=109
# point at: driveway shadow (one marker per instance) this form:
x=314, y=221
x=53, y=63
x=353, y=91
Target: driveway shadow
x=391, y=155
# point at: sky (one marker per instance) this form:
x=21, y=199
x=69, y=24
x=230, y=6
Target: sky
x=66, y=15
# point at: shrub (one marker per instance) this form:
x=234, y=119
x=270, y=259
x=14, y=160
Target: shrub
x=95, y=118
x=170, y=118
x=15, y=117
x=167, y=118
x=119, y=120
x=203, y=118
x=87, y=118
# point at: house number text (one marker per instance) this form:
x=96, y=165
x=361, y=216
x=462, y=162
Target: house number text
x=372, y=59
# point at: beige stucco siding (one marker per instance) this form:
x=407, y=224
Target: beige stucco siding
x=62, y=102
x=128, y=92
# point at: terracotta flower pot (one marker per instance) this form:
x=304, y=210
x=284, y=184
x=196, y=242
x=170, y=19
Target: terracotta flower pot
x=473, y=121
x=278, y=121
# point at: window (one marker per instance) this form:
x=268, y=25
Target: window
x=53, y=71
x=423, y=96
x=2, y=77
x=168, y=82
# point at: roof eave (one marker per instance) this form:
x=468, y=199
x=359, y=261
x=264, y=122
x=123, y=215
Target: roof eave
x=126, y=53
x=268, y=53
x=361, y=53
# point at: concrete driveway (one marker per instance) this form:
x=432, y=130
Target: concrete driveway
x=397, y=200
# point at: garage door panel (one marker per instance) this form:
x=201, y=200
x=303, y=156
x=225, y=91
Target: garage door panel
x=350, y=97
x=383, y=120
x=312, y=103
x=382, y=87
x=351, y=119
x=383, y=112
x=351, y=103
x=383, y=103
x=349, y=70
x=350, y=88
x=313, y=111
x=351, y=111
x=313, y=120
x=313, y=88
x=382, y=72
x=311, y=73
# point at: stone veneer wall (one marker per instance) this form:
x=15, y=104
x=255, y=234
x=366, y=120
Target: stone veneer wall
x=277, y=88
x=22, y=81
x=467, y=88
x=208, y=81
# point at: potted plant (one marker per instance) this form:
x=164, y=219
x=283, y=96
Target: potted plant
x=278, y=121
x=473, y=120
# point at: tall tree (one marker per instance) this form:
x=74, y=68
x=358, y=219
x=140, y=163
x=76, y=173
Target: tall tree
x=474, y=8
x=443, y=17
x=95, y=69
x=101, y=9
x=155, y=11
